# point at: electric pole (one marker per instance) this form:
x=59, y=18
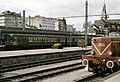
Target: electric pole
x=86, y=21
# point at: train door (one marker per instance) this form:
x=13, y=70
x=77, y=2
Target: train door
x=8, y=40
x=1, y=39
x=25, y=41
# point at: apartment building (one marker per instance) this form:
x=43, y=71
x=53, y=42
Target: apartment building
x=40, y=22
x=15, y=20
x=11, y=19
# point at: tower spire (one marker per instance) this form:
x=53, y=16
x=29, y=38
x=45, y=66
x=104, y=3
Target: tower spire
x=104, y=13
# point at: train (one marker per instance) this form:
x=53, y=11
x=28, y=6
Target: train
x=104, y=56
x=30, y=38
x=42, y=41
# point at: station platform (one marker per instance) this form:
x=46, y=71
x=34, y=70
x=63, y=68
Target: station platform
x=39, y=51
x=8, y=58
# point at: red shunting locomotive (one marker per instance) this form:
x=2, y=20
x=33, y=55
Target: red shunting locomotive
x=104, y=55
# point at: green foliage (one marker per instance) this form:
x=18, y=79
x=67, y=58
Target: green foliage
x=8, y=13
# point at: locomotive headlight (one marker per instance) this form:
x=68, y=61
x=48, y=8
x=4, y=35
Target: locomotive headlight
x=119, y=60
x=110, y=53
x=85, y=62
x=92, y=53
x=110, y=64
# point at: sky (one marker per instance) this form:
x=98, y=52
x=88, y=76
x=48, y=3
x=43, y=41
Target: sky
x=62, y=8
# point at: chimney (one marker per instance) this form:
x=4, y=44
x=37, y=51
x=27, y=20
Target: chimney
x=23, y=20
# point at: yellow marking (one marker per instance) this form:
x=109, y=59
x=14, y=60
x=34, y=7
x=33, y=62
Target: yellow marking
x=96, y=48
x=106, y=47
x=103, y=50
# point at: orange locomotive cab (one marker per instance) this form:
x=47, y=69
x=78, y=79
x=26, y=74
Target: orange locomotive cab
x=105, y=54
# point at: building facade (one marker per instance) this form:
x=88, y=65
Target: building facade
x=11, y=19
x=101, y=24
x=15, y=20
x=40, y=22
x=70, y=28
x=61, y=25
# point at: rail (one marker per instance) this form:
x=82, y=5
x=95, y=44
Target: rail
x=40, y=74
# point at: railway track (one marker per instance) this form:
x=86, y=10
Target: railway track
x=37, y=73
x=94, y=77
x=37, y=63
x=86, y=78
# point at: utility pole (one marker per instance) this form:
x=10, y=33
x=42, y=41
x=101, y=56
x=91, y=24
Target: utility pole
x=86, y=21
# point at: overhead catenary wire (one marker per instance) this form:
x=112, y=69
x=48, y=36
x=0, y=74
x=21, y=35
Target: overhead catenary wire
x=63, y=5
x=88, y=15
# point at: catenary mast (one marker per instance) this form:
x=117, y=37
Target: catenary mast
x=86, y=21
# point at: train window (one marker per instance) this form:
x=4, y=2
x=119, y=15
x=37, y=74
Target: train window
x=15, y=39
x=33, y=39
x=68, y=40
x=51, y=39
x=38, y=39
x=62, y=40
x=45, y=39
x=48, y=39
x=41, y=39
x=55, y=39
x=30, y=39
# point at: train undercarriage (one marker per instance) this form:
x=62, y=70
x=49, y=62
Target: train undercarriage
x=101, y=65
